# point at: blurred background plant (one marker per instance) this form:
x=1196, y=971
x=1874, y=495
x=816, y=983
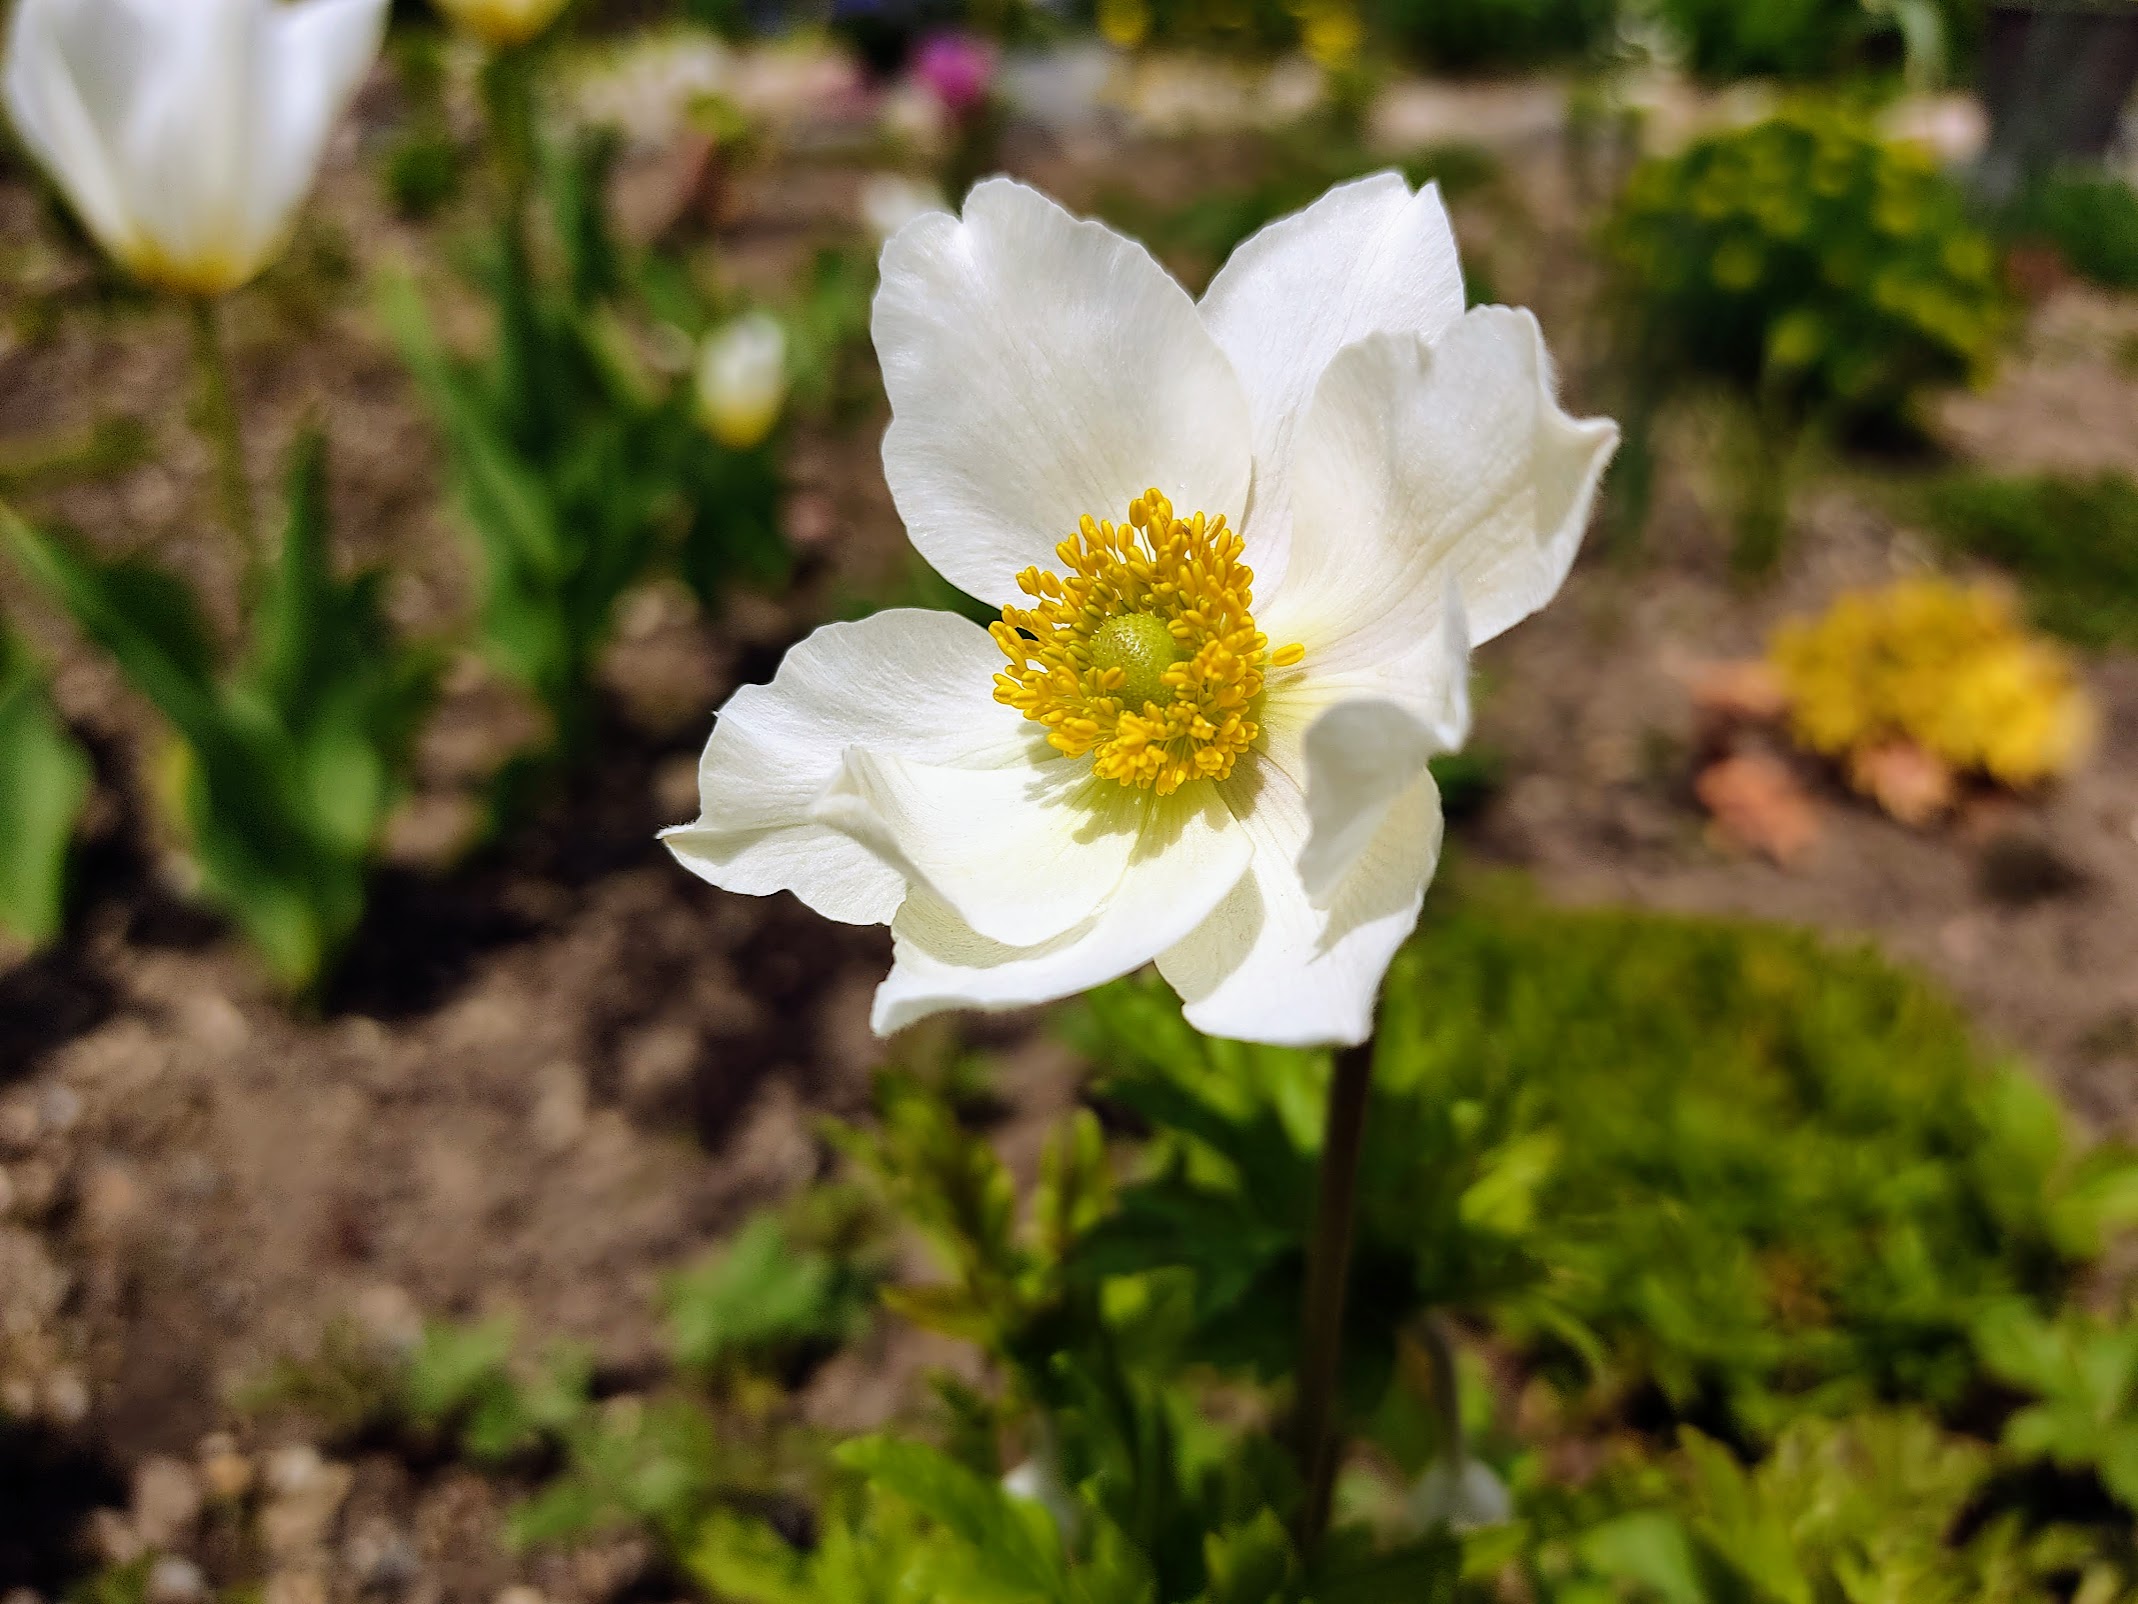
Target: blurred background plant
x=1824, y=278
x=581, y=459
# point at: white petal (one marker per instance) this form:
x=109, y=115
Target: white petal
x=314, y=59
x=1020, y=853
x=184, y=154
x=1354, y=741
x=71, y=66
x=1191, y=856
x=1369, y=257
x=910, y=681
x=1274, y=965
x=1042, y=369
x=1421, y=463
x=1362, y=757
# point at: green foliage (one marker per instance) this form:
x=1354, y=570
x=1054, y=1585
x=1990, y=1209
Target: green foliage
x=765, y=1297
x=44, y=780
x=859, y=1558
x=421, y=165
x=1807, y=263
x=1802, y=1183
x=290, y=761
x=1007, y=1291
x=578, y=467
x=634, y=1462
x=1471, y=35
x=115, y=1584
x=1817, y=39
x=2084, y=1374
x=2072, y=543
x=2092, y=220
x=1856, y=1510
x=464, y=1381
x=348, y=1387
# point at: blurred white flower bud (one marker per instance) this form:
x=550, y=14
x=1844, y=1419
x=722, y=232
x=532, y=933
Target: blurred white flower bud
x=889, y=201
x=1039, y=1481
x=742, y=379
x=186, y=136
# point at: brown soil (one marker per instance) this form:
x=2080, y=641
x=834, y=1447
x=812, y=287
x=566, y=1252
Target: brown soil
x=553, y=1074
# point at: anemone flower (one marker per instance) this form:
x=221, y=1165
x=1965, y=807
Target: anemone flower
x=186, y=136
x=1241, y=550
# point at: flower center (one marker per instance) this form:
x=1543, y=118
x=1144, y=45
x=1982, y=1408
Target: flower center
x=1144, y=652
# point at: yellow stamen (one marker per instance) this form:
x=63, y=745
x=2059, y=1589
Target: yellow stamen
x=1144, y=653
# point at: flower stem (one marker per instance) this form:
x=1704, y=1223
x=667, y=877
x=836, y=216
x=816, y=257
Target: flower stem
x=219, y=424
x=1319, y=1441
x=1446, y=1385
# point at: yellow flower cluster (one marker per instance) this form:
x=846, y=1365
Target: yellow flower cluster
x=1331, y=32
x=1943, y=665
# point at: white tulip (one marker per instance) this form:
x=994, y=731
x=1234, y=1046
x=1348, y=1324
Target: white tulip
x=501, y=24
x=1200, y=733
x=186, y=134
x=742, y=379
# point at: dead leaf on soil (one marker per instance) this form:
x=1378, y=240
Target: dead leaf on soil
x=1757, y=805
x=1911, y=784
x=1748, y=691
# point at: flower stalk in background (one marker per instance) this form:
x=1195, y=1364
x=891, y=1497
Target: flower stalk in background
x=185, y=138
x=742, y=379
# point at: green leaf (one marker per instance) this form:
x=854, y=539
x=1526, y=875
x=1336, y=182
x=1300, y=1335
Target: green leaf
x=747, y=1561
x=759, y=1294
x=1011, y=1550
x=1648, y=1547
x=44, y=780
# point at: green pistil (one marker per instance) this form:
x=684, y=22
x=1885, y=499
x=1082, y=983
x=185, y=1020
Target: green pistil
x=1143, y=648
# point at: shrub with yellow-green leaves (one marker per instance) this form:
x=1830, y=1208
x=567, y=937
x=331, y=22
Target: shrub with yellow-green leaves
x=1810, y=262
x=1942, y=668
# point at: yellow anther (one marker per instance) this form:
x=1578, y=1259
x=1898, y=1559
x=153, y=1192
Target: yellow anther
x=1144, y=652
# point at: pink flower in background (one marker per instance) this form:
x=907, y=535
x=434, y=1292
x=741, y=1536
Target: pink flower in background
x=958, y=69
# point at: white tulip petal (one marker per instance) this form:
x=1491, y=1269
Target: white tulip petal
x=70, y=71
x=1042, y=369
x=1419, y=463
x=186, y=136
x=184, y=147
x=1190, y=857
x=1020, y=854
x=1273, y=964
x=313, y=60
x=908, y=681
x=1369, y=257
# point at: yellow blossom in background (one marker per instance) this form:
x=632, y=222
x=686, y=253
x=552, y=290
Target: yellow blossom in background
x=502, y=24
x=1943, y=665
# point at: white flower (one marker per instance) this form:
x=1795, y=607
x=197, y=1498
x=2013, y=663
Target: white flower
x=1160, y=755
x=501, y=24
x=742, y=379
x=889, y=201
x=186, y=135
